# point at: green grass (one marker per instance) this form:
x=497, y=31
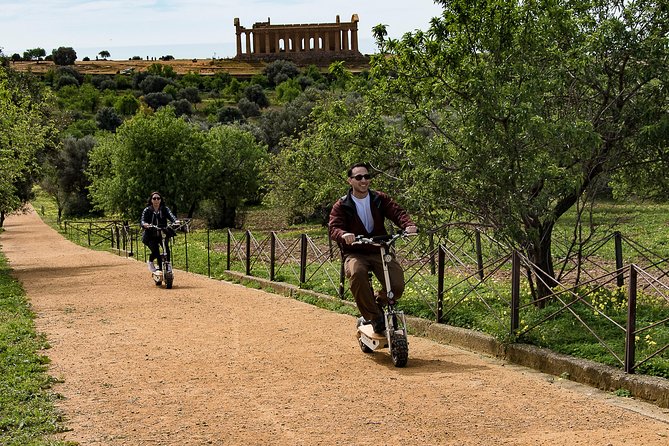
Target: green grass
x=27, y=412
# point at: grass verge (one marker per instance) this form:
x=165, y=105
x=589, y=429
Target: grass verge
x=28, y=415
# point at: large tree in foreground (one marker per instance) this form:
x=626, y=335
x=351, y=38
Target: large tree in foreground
x=528, y=105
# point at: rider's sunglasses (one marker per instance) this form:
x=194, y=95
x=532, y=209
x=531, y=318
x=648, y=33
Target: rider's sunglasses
x=155, y=198
x=359, y=177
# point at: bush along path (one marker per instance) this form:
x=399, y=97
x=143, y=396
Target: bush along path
x=211, y=362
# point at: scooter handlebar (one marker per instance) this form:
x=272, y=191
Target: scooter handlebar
x=379, y=240
x=178, y=225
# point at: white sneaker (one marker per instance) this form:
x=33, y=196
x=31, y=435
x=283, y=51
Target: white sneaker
x=151, y=266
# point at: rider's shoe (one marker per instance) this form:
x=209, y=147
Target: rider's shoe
x=379, y=325
x=151, y=266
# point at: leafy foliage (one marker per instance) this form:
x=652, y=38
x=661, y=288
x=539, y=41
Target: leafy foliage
x=64, y=56
x=279, y=71
x=27, y=411
x=107, y=119
x=517, y=111
x=24, y=134
x=234, y=166
x=148, y=152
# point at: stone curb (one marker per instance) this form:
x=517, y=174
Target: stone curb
x=603, y=377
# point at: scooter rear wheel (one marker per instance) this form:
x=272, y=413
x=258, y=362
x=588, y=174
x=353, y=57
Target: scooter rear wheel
x=363, y=347
x=399, y=350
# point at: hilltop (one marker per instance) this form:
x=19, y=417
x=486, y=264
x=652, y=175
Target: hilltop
x=181, y=66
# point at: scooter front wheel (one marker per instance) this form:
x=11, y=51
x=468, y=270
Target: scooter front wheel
x=399, y=350
x=169, y=278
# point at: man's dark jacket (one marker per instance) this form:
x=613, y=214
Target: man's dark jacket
x=344, y=218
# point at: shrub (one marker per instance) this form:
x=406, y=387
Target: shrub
x=107, y=119
x=65, y=80
x=248, y=108
x=255, y=93
x=153, y=84
x=280, y=71
x=157, y=100
x=228, y=115
x=127, y=104
x=182, y=107
x=191, y=94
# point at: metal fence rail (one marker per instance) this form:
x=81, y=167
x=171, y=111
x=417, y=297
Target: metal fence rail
x=443, y=275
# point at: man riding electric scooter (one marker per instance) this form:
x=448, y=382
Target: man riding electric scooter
x=362, y=212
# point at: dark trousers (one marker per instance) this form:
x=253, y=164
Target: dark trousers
x=357, y=267
x=154, y=247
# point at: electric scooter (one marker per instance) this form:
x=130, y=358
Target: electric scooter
x=166, y=274
x=395, y=337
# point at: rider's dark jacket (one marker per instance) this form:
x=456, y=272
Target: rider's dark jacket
x=344, y=218
x=159, y=219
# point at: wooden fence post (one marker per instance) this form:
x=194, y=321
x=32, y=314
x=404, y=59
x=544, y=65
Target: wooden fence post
x=440, y=283
x=619, y=259
x=248, y=252
x=515, y=292
x=479, y=253
x=303, y=259
x=430, y=248
x=227, y=266
x=272, y=255
x=208, y=253
x=630, y=337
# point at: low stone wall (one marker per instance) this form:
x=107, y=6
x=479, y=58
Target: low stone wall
x=653, y=389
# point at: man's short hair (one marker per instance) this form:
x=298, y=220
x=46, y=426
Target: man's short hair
x=367, y=166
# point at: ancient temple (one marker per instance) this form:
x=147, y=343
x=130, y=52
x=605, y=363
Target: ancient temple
x=315, y=42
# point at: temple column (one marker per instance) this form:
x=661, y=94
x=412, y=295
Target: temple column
x=256, y=42
x=344, y=40
x=354, y=39
x=248, y=42
x=239, y=43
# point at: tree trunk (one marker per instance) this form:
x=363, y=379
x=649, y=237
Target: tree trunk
x=539, y=252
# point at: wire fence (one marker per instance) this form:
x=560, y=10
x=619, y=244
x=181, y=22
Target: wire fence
x=616, y=310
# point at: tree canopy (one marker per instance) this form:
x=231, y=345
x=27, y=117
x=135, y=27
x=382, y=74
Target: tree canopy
x=517, y=110
x=185, y=163
x=24, y=133
x=64, y=56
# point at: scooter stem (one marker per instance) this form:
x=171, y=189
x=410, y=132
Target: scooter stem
x=386, y=276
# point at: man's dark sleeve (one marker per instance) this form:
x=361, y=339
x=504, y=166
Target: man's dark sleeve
x=337, y=223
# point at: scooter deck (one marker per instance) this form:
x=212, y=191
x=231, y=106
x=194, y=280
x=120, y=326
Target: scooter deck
x=368, y=330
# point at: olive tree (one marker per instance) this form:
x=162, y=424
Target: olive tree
x=516, y=110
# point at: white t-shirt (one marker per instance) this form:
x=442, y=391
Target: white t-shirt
x=364, y=212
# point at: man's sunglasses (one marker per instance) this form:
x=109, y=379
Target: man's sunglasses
x=359, y=177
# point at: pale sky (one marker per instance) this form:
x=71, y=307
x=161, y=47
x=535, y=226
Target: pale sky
x=186, y=29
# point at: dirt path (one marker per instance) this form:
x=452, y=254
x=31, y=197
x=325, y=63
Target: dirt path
x=213, y=363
